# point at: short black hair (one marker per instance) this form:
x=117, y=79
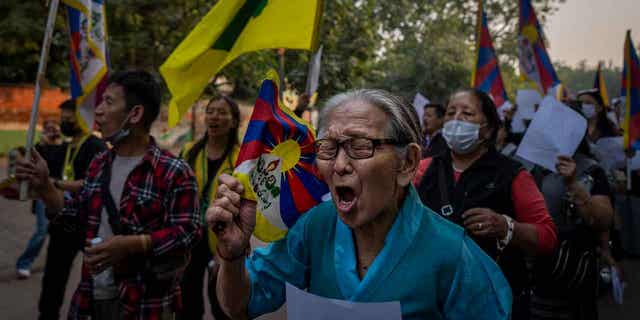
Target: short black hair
x=140, y=88
x=69, y=104
x=440, y=110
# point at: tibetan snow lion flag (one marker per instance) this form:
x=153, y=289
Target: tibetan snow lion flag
x=535, y=64
x=88, y=58
x=276, y=165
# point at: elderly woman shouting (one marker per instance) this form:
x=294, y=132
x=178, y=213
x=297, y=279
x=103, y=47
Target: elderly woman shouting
x=373, y=242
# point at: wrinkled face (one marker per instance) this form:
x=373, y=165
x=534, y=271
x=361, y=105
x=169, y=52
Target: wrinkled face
x=587, y=99
x=361, y=189
x=219, y=119
x=466, y=107
x=112, y=111
x=432, y=122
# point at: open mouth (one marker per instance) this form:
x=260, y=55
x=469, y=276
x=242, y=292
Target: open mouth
x=346, y=198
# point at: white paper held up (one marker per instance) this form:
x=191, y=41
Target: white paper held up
x=526, y=99
x=419, y=101
x=555, y=130
x=610, y=153
x=302, y=305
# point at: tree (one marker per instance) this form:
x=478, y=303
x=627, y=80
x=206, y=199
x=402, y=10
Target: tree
x=400, y=45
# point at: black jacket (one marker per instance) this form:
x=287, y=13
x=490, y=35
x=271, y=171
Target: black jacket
x=486, y=184
x=435, y=147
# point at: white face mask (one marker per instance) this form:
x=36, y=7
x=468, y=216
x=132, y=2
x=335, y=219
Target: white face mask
x=589, y=110
x=461, y=136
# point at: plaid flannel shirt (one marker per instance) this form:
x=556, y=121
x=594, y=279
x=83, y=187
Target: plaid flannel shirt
x=159, y=198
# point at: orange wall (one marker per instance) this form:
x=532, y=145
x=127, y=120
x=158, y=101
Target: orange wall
x=16, y=100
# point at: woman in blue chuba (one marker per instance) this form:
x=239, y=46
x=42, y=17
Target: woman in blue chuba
x=213, y=154
x=373, y=242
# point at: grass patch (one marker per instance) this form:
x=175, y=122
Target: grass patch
x=11, y=139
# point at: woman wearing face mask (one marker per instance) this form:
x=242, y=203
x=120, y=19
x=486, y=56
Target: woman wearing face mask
x=490, y=195
x=215, y=153
x=600, y=126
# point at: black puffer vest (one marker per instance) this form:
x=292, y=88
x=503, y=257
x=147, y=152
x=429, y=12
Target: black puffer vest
x=485, y=184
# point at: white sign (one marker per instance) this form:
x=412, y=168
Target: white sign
x=302, y=305
x=313, y=76
x=610, y=153
x=526, y=99
x=634, y=163
x=419, y=101
x=555, y=130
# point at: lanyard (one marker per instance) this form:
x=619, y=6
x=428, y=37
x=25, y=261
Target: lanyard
x=68, y=174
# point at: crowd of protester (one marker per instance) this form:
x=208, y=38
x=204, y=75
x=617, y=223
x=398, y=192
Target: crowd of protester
x=442, y=217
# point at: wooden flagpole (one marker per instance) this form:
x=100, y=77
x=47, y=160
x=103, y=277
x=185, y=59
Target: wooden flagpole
x=42, y=68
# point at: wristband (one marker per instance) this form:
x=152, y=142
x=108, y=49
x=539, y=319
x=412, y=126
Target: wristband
x=502, y=243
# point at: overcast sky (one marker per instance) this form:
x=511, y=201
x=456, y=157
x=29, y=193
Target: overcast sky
x=593, y=30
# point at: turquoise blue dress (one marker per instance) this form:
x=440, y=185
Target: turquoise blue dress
x=427, y=263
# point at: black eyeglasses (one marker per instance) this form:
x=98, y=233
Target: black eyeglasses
x=356, y=148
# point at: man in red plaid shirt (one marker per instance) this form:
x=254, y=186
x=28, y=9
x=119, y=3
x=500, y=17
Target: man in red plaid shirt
x=140, y=200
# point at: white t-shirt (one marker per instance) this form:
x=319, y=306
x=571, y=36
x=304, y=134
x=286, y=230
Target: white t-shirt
x=104, y=284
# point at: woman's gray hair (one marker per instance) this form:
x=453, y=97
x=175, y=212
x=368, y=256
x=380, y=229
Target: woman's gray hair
x=404, y=126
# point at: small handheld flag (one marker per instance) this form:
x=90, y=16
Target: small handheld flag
x=276, y=164
x=535, y=64
x=486, y=72
x=631, y=90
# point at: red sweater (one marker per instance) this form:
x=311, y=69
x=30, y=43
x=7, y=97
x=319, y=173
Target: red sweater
x=528, y=204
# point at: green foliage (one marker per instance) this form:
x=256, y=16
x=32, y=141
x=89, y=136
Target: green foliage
x=12, y=138
x=583, y=77
x=401, y=45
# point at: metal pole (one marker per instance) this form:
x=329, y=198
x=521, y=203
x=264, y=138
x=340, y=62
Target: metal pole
x=42, y=68
x=281, y=71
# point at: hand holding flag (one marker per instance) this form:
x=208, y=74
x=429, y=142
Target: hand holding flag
x=276, y=167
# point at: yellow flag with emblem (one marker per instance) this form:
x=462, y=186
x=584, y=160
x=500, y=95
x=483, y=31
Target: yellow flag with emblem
x=231, y=28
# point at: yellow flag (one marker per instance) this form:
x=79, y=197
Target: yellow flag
x=231, y=28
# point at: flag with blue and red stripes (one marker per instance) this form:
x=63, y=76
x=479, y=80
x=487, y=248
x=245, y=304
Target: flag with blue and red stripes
x=276, y=164
x=88, y=57
x=486, y=73
x=631, y=90
x=535, y=64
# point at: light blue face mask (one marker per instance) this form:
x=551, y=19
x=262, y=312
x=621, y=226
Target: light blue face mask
x=119, y=135
x=589, y=110
x=461, y=136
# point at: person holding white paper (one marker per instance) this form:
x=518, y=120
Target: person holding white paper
x=600, y=126
x=374, y=242
x=579, y=200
